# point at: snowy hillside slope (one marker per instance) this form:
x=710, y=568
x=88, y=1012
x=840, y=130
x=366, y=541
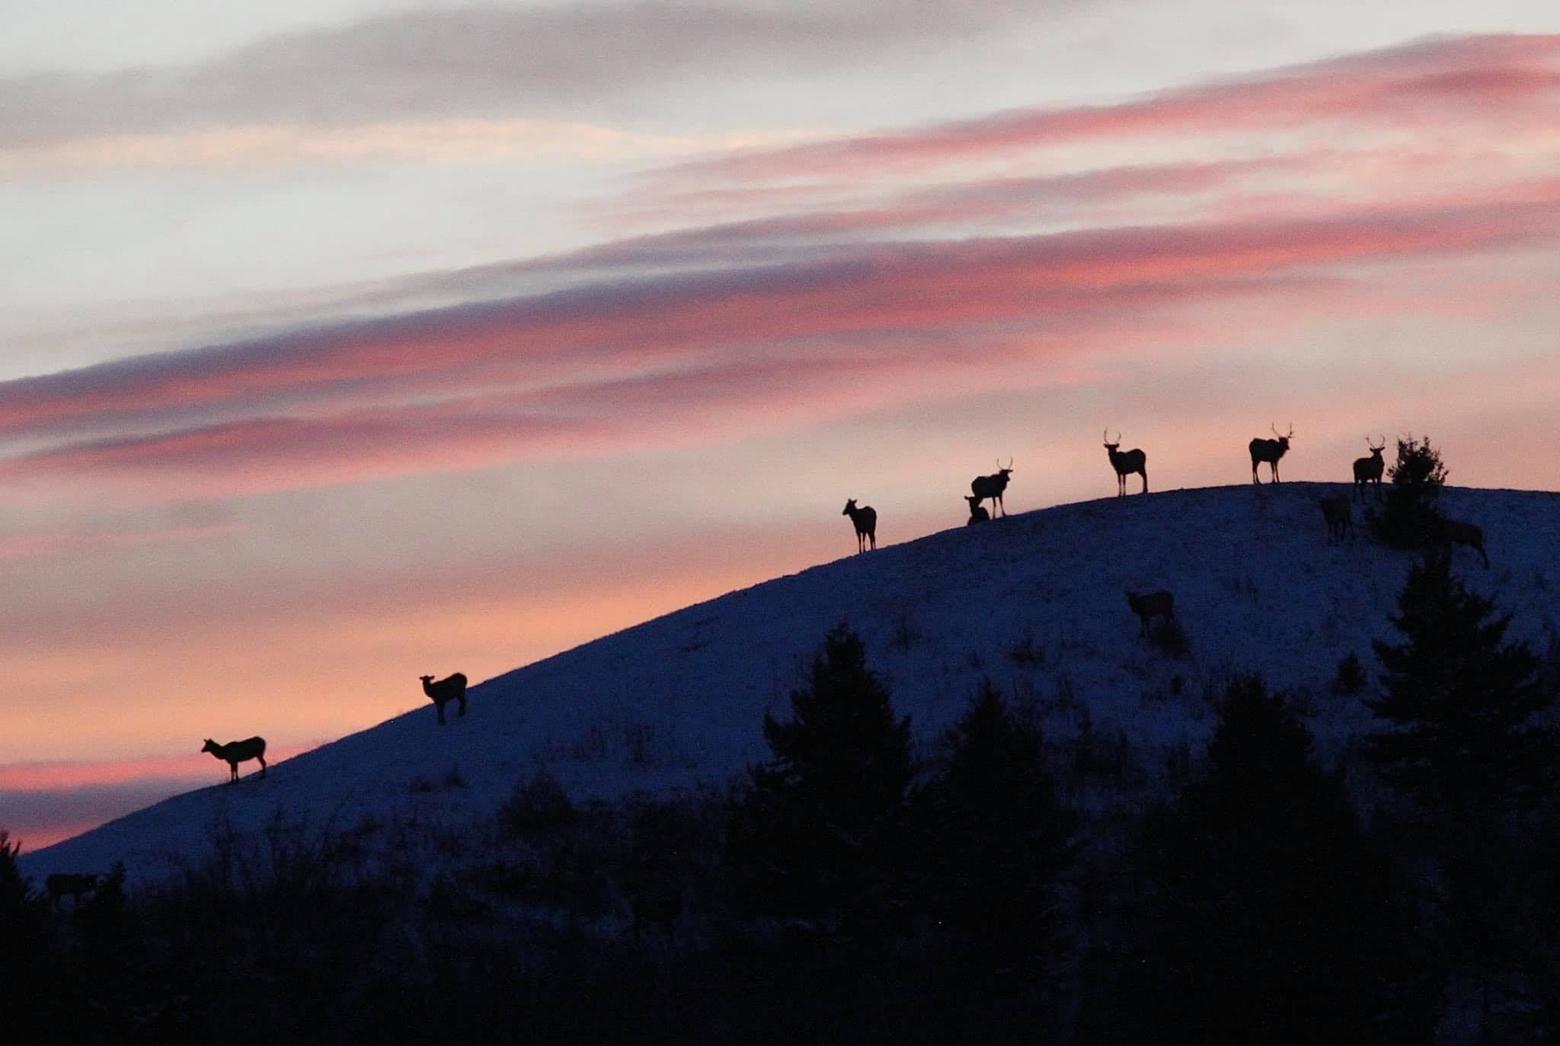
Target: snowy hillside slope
x=1035, y=601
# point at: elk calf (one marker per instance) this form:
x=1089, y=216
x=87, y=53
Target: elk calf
x=1152, y=605
x=70, y=884
x=1451, y=532
x=1126, y=463
x=1339, y=515
x=978, y=513
x=1269, y=450
x=235, y=752
x=1367, y=471
x=442, y=692
x=865, y=521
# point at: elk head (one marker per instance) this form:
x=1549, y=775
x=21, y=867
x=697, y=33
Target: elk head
x=1283, y=441
x=850, y=506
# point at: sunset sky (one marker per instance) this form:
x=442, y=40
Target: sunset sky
x=344, y=341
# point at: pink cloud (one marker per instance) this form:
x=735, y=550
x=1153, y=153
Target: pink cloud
x=591, y=372
x=1487, y=77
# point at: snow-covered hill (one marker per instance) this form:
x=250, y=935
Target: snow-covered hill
x=1035, y=601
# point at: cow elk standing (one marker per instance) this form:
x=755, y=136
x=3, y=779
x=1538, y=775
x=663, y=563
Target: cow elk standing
x=1151, y=605
x=235, y=752
x=1367, y=471
x=978, y=513
x=1269, y=450
x=1126, y=463
x=441, y=693
x=864, y=519
x=992, y=486
x=1339, y=514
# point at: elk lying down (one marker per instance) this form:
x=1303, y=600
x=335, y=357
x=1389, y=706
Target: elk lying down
x=1152, y=605
x=978, y=513
x=70, y=884
x=442, y=692
x=1451, y=532
x=1339, y=515
x=235, y=752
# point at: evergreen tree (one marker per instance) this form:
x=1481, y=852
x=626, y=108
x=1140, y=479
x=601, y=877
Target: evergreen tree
x=818, y=837
x=1410, y=515
x=1461, y=700
x=1270, y=918
x=993, y=835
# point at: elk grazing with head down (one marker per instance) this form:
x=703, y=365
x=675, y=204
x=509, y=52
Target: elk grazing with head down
x=1451, y=532
x=1367, y=471
x=1269, y=450
x=864, y=519
x=1151, y=605
x=1339, y=515
x=235, y=752
x=978, y=513
x=992, y=486
x=442, y=692
x=1126, y=463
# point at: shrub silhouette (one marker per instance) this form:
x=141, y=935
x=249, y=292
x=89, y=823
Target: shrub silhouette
x=1351, y=678
x=1410, y=517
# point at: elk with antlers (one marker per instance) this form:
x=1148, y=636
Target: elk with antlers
x=992, y=486
x=1368, y=470
x=1269, y=450
x=864, y=519
x=1339, y=515
x=978, y=513
x=1126, y=463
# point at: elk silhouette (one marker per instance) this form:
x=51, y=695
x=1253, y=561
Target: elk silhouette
x=992, y=486
x=1451, y=532
x=451, y=688
x=1339, y=514
x=1269, y=450
x=978, y=514
x=70, y=884
x=235, y=752
x=1367, y=471
x=1151, y=605
x=1126, y=464
x=864, y=519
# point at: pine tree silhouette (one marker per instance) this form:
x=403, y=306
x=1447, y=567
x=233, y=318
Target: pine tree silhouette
x=819, y=836
x=1270, y=919
x=1469, y=745
x=1462, y=701
x=993, y=836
